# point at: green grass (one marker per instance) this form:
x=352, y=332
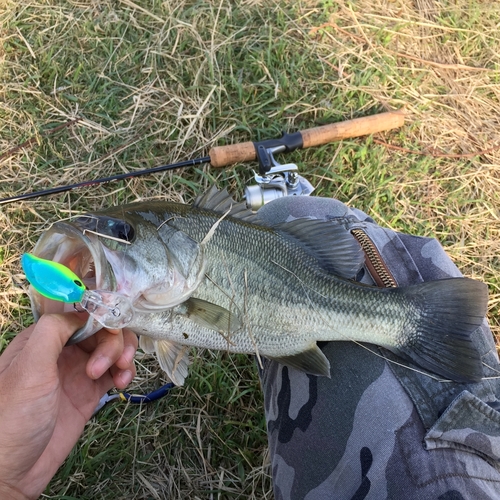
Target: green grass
x=165, y=81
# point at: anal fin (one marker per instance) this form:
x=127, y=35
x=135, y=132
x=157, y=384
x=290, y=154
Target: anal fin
x=311, y=361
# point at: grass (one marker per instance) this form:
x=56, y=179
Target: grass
x=155, y=82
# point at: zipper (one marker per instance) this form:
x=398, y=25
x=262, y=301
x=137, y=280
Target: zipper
x=374, y=263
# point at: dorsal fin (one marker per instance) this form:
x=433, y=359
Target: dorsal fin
x=221, y=202
x=334, y=247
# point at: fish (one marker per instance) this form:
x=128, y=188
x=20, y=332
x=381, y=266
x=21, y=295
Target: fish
x=213, y=274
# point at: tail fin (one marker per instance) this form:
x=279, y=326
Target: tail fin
x=450, y=311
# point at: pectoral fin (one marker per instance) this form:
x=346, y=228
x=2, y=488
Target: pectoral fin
x=311, y=361
x=173, y=359
x=209, y=315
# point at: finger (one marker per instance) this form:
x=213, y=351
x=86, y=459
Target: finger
x=108, y=350
x=122, y=378
x=48, y=336
x=130, y=344
x=116, y=377
x=90, y=343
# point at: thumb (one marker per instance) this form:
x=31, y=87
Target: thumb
x=48, y=339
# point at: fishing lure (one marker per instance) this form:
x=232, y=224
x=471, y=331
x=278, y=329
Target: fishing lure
x=52, y=280
x=57, y=282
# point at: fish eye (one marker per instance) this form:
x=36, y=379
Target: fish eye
x=123, y=231
x=78, y=283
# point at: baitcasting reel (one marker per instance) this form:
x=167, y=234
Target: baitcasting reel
x=275, y=180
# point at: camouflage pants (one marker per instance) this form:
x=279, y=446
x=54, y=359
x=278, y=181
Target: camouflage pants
x=376, y=429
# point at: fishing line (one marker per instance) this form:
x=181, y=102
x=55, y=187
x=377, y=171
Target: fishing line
x=107, y=236
x=249, y=327
x=232, y=303
x=231, y=300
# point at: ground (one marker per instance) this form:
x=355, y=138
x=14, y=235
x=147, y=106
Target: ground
x=89, y=89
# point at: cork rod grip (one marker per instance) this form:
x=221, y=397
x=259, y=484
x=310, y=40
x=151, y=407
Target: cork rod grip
x=352, y=128
x=221, y=156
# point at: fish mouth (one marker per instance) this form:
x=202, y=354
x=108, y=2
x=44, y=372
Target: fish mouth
x=84, y=255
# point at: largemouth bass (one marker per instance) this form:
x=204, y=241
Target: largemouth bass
x=214, y=275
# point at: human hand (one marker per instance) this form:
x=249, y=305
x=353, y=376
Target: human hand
x=48, y=392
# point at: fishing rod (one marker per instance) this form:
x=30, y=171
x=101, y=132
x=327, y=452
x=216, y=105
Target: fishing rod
x=117, y=177
x=275, y=179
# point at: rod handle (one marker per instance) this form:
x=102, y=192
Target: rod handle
x=221, y=156
x=352, y=128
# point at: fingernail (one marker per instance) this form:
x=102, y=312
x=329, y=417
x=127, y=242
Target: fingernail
x=100, y=365
x=126, y=377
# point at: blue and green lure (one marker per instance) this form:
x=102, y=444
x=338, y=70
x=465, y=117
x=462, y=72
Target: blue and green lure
x=53, y=280
x=57, y=282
